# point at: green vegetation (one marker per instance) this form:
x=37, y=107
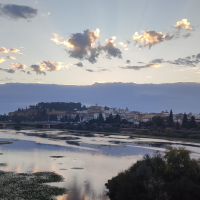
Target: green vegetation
x=58, y=106
x=29, y=186
x=174, y=175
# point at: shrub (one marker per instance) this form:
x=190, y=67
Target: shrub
x=171, y=176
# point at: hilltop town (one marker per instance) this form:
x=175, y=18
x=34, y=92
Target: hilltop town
x=71, y=112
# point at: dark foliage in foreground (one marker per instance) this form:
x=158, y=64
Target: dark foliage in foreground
x=171, y=176
x=29, y=186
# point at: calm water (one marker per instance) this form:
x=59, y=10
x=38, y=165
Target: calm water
x=87, y=162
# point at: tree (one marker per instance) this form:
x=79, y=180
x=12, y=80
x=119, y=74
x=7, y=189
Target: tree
x=110, y=120
x=100, y=118
x=106, y=108
x=77, y=118
x=124, y=121
x=193, y=123
x=170, y=119
x=148, y=123
x=83, y=107
x=185, y=121
x=174, y=175
x=117, y=118
x=158, y=121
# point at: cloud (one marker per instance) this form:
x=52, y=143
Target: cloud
x=90, y=70
x=151, y=38
x=38, y=69
x=138, y=67
x=19, y=66
x=57, y=39
x=13, y=50
x=82, y=43
x=184, y=24
x=43, y=66
x=20, y=53
x=45, y=14
x=128, y=61
x=15, y=12
x=111, y=49
x=52, y=66
x=79, y=64
x=3, y=50
x=2, y=60
x=11, y=57
x=123, y=45
x=11, y=71
x=6, y=79
x=189, y=61
x=101, y=70
x=187, y=35
x=82, y=46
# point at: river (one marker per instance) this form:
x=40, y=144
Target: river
x=85, y=160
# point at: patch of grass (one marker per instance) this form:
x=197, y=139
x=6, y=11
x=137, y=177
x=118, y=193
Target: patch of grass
x=29, y=186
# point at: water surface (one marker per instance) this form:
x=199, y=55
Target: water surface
x=85, y=162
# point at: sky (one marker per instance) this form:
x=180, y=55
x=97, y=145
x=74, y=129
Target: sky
x=129, y=45
x=83, y=42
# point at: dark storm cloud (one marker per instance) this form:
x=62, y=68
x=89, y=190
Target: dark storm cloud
x=128, y=62
x=38, y=69
x=15, y=12
x=79, y=64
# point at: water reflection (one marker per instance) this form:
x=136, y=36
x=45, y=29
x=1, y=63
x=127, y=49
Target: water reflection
x=83, y=192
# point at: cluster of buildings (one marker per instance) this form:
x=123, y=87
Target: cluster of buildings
x=93, y=113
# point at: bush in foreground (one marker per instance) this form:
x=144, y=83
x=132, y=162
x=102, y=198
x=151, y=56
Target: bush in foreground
x=172, y=176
